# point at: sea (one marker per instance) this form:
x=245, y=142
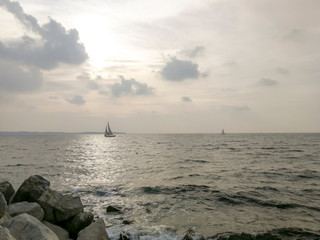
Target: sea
x=212, y=186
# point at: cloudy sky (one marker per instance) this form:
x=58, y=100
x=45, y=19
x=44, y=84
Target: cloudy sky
x=160, y=66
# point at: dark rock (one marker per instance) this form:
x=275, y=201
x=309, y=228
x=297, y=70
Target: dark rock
x=61, y=233
x=127, y=222
x=3, y=205
x=31, y=189
x=58, y=207
x=7, y=190
x=32, y=209
x=5, y=234
x=79, y=222
x=112, y=209
x=95, y=231
x=26, y=227
x=128, y=236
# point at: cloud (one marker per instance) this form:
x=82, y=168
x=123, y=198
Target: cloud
x=178, y=70
x=18, y=78
x=130, y=87
x=186, y=99
x=282, y=71
x=56, y=44
x=193, y=52
x=77, y=100
x=267, y=82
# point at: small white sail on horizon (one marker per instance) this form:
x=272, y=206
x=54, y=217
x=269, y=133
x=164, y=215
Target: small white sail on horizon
x=108, y=132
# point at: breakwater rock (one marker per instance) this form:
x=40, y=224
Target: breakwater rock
x=35, y=211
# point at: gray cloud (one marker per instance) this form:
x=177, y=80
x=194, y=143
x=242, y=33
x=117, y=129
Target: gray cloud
x=193, y=52
x=91, y=82
x=130, y=87
x=16, y=78
x=57, y=45
x=76, y=99
x=282, y=71
x=186, y=99
x=267, y=82
x=179, y=70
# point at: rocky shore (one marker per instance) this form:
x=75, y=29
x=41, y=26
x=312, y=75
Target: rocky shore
x=37, y=212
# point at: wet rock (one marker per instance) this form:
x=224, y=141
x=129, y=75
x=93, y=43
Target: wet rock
x=26, y=227
x=79, y=222
x=3, y=205
x=128, y=236
x=95, y=231
x=32, y=209
x=5, y=234
x=127, y=222
x=31, y=189
x=7, y=190
x=192, y=235
x=112, y=209
x=61, y=233
x=58, y=207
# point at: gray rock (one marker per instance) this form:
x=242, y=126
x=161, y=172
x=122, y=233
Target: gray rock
x=95, y=231
x=7, y=190
x=58, y=207
x=61, y=233
x=5, y=234
x=3, y=205
x=32, y=209
x=31, y=189
x=79, y=222
x=26, y=227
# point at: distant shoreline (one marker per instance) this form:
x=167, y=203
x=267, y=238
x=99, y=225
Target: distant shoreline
x=50, y=133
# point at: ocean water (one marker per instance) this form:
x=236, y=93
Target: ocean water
x=251, y=186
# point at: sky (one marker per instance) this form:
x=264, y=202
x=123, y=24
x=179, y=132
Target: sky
x=160, y=66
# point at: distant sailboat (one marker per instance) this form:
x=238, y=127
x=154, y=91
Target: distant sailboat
x=222, y=133
x=108, y=132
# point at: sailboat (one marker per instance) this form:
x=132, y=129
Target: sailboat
x=108, y=132
x=222, y=132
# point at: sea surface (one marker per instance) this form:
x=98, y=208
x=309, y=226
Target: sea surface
x=250, y=186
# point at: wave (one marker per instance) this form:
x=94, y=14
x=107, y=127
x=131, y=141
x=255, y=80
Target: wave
x=275, y=234
x=240, y=199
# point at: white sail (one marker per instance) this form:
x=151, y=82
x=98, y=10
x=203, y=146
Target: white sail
x=108, y=132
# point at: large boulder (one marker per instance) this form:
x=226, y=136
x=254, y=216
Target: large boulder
x=79, y=222
x=5, y=234
x=61, y=233
x=58, y=207
x=32, y=209
x=31, y=189
x=26, y=227
x=3, y=205
x=95, y=231
x=7, y=190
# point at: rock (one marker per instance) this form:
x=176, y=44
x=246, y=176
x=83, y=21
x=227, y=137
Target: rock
x=79, y=222
x=128, y=236
x=95, y=231
x=3, y=205
x=61, y=233
x=31, y=189
x=112, y=209
x=26, y=227
x=32, y=209
x=5, y=234
x=7, y=190
x=127, y=222
x=58, y=207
